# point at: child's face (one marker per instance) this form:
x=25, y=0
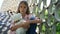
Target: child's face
x=23, y=8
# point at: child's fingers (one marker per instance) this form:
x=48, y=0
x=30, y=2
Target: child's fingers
x=13, y=28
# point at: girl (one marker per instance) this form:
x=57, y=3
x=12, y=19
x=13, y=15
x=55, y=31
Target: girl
x=31, y=20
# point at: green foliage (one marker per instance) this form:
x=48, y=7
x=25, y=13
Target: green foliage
x=58, y=27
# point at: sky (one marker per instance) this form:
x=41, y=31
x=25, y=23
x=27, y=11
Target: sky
x=1, y=1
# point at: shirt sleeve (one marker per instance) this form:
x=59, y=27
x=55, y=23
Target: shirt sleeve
x=32, y=16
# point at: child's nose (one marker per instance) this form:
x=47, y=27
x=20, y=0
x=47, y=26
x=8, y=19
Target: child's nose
x=22, y=8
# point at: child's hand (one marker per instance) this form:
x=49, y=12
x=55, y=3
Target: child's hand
x=13, y=28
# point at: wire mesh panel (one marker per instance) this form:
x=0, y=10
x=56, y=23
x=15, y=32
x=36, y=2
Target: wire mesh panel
x=4, y=23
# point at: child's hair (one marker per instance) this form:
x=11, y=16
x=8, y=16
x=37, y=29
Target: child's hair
x=25, y=2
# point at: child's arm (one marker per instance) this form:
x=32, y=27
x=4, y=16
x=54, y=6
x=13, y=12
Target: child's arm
x=34, y=19
x=13, y=23
x=22, y=24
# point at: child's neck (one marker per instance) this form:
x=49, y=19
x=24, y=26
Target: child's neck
x=23, y=15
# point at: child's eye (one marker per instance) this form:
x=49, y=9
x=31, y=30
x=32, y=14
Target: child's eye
x=24, y=7
x=21, y=6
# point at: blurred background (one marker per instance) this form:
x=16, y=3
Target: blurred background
x=47, y=10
